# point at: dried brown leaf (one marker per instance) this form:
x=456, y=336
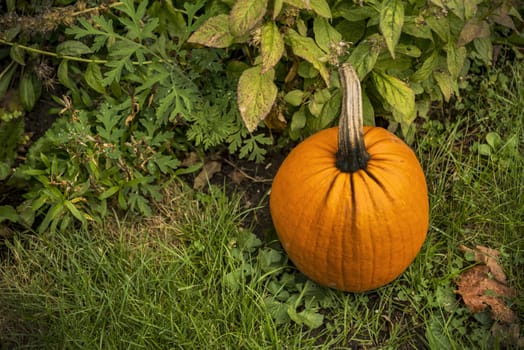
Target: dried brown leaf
x=208, y=170
x=485, y=285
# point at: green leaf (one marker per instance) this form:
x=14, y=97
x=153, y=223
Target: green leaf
x=363, y=58
x=413, y=27
x=298, y=120
x=307, y=49
x=72, y=48
x=445, y=83
x=93, y=77
x=456, y=56
x=30, y=89
x=320, y=7
x=484, y=50
x=277, y=7
x=5, y=78
x=294, y=97
x=306, y=317
x=494, y=140
x=397, y=94
x=17, y=55
x=63, y=75
x=214, y=32
x=408, y=50
x=7, y=212
x=439, y=25
x=271, y=46
x=391, y=20
x=5, y=170
x=473, y=29
x=326, y=36
x=425, y=70
x=245, y=15
x=76, y=213
x=256, y=94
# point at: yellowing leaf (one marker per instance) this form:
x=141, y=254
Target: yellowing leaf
x=256, y=94
x=307, y=49
x=214, y=32
x=445, y=83
x=391, y=20
x=272, y=46
x=473, y=29
x=245, y=15
x=363, y=58
x=425, y=70
x=397, y=94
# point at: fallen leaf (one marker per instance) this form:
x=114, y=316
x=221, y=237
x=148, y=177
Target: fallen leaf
x=485, y=285
x=208, y=170
x=237, y=176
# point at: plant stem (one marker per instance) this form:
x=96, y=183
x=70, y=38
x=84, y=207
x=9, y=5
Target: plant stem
x=352, y=155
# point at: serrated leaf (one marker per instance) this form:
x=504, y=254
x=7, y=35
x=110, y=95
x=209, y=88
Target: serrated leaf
x=325, y=35
x=320, y=7
x=306, y=317
x=473, y=29
x=425, y=70
x=245, y=15
x=307, y=49
x=214, y=32
x=391, y=20
x=397, y=94
x=271, y=46
x=363, y=58
x=29, y=90
x=256, y=94
x=93, y=77
x=456, y=56
x=72, y=48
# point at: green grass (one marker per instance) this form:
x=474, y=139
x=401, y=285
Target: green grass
x=194, y=276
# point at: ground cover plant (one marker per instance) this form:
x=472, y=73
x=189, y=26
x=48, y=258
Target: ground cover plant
x=194, y=274
x=103, y=245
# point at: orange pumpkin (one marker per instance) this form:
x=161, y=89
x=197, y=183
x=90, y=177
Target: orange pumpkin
x=350, y=203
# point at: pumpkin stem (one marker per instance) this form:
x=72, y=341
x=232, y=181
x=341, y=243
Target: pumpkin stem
x=352, y=155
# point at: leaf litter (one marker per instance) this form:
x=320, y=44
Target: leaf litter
x=485, y=286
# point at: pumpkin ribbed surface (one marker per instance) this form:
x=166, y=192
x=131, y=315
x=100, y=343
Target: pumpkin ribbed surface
x=353, y=231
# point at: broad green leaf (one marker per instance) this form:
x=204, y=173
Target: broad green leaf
x=363, y=58
x=397, y=94
x=473, y=29
x=256, y=94
x=294, y=97
x=29, y=90
x=63, y=75
x=72, y=48
x=271, y=46
x=326, y=36
x=414, y=27
x=408, y=50
x=484, y=50
x=299, y=4
x=444, y=82
x=214, y=32
x=245, y=15
x=5, y=170
x=307, y=49
x=367, y=110
x=298, y=120
x=456, y=56
x=7, y=212
x=17, y=55
x=494, y=140
x=93, y=77
x=391, y=20
x=440, y=26
x=426, y=68
x=330, y=110
x=320, y=7
x=353, y=12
